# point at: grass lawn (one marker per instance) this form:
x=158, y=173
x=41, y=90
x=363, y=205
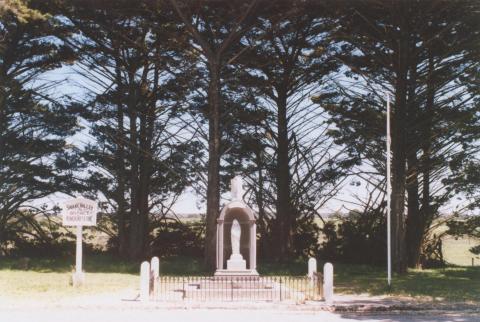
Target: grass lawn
x=450, y=284
x=52, y=286
x=49, y=278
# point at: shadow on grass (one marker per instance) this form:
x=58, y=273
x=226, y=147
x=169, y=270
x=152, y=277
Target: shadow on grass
x=102, y=263
x=95, y=263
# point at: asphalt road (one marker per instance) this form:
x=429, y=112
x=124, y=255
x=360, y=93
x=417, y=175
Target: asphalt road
x=217, y=315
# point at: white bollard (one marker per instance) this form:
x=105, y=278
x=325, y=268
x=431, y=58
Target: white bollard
x=328, y=282
x=154, y=276
x=144, y=281
x=312, y=267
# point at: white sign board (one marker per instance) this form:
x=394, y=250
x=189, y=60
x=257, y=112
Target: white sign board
x=79, y=212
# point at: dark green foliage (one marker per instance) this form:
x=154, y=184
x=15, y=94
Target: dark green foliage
x=290, y=94
x=475, y=250
x=328, y=249
x=465, y=180
x=305, y=240
x=358, y=238
x=35, y=160
x=363, y=240
x=288, y=56
x=432, y=253
x=466, y=226
x=178, y=239
x=39, y=234
x=134, y=156
x=421, y=53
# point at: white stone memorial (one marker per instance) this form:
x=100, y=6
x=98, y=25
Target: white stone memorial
x=236, y=236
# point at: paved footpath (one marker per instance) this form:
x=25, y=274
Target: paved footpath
x=123, y=307
x=220, y=315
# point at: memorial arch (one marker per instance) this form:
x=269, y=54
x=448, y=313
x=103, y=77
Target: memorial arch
x=236, y=210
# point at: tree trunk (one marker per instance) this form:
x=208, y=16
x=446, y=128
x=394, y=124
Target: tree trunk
x=398, y=204
x=420, y=218
x=214, y=141
x=143, y=188
x=284, y=209
x=426, y=209
x=143, y=182
x=136, y=237
x=414, y=231
x=120, y=193
x=121, y=172
x=399, y=157
x=259, y=195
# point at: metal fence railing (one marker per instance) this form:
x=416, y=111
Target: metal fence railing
x=239, y=288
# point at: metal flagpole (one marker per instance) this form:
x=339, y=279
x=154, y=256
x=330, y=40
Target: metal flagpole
x=389, y=239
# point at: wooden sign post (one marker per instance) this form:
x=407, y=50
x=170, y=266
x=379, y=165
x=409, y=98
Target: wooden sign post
x=79, y=212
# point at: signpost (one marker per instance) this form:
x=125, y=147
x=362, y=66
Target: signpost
x=79, y=212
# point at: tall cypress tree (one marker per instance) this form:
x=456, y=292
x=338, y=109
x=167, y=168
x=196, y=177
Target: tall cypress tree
x=215, y=29
x=130, y=53
x=288, y=57
x=400, y=47
x=34, y=125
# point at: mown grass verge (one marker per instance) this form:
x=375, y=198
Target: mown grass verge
x=51, y=277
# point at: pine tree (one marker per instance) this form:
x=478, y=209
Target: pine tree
x=288, y=58
x=34, y=159
x=129, y=53
x=401, y=48
x=215, y=29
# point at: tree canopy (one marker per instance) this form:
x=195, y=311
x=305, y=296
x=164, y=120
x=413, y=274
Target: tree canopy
x=173, y=96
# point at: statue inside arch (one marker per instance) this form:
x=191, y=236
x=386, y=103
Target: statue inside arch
x=236, y=236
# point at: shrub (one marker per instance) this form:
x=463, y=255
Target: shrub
x=178, y=239
x=358, y=238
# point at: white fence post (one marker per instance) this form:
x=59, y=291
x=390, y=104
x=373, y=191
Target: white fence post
x=154, y=276
x=312, y=267
x=144, y=281
x=328, y=282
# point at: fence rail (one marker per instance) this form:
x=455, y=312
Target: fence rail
x=239, y=288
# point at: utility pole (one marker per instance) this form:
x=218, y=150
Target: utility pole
x=389, y=192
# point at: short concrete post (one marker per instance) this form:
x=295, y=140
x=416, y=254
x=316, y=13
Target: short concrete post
x=312, y=267
x=144, y=281
x=154, y=276
x=328, y=282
